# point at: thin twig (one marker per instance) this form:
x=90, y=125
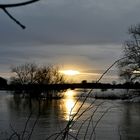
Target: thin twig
x=92, y=117
x=88, y=118
x=25, y=127
x=106, y=111
x=14, y=133
x=72, y=136
x=87, y=109
x=33, y=127
x=53, y=135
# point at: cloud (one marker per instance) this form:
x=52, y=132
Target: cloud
x=71, y=22
x=85, y=34
x=77, y=56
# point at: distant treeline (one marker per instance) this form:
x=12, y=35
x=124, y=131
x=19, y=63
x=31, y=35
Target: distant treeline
x=45, y=87
x=64, y=86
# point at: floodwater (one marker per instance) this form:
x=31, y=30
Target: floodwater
x=97, y=119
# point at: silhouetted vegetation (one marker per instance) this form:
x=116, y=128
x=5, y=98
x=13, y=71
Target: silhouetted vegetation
x=30, y=73
x=3, y=83
x=37, y=81
x=59, y=87
x=129, y=67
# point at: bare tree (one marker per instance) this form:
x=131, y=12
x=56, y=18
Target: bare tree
x=43, y=75
x=57, y=77
x=30, y=73
x=24, y=74
x=49, y=75
x=4, y=7
x=129, y=67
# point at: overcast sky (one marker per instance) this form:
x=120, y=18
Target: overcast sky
x=86, y=35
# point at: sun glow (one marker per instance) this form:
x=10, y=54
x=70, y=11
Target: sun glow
x=70, y=72
x=136, y=72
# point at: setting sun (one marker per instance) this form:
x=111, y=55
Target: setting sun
x=70, y=72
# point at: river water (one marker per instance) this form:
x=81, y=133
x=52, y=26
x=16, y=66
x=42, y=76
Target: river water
x=97, y=119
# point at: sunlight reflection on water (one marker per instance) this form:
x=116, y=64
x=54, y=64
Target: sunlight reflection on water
x=70, y=93
x=69, y=104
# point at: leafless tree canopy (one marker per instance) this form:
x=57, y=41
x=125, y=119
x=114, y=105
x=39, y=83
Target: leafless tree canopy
x=49, y=75
x=5, y=6
x=131, y=52
x=30, y=73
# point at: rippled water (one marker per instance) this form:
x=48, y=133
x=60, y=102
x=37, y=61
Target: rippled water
x=120, y=121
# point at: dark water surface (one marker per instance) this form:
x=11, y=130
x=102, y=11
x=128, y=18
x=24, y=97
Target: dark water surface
x=121, y=120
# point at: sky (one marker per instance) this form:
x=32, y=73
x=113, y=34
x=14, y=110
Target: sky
x=85, y=35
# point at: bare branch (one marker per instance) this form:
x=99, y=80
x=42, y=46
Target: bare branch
x=17, y=4
x=4, y=6
x=15, y=20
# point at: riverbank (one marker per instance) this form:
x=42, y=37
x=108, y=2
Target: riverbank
x=122, y=94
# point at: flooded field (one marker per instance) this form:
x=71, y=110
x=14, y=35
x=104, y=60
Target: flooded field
x=97, y=119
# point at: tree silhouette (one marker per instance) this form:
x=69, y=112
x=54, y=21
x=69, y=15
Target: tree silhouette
x=30, y=73
x=3, y=82
x=129, y=67
x=5, y=6
x=24, y=74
